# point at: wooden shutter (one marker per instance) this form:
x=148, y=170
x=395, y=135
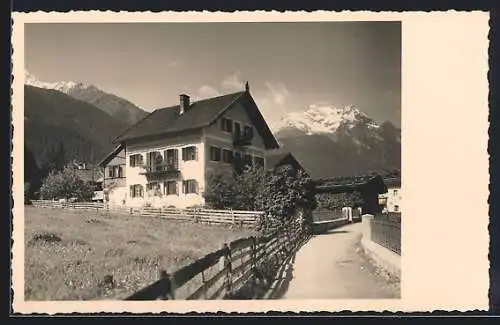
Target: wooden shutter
x=195, y=153
x=132, y=161
x=131, y=187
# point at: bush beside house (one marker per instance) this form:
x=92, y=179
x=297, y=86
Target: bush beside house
x=284, y=194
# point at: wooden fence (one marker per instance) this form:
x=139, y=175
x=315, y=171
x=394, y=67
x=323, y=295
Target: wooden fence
x=242, y=269
x=68, y=205
x=208, y=216
x=386, y=231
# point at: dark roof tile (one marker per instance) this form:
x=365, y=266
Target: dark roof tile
x=168, y=120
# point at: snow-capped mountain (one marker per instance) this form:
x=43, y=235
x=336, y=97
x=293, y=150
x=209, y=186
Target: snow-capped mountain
x=63, y=86
x=324, y=119
x=121, y=109
x=331, y=141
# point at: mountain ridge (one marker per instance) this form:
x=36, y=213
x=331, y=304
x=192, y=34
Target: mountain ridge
x=117, y=107
x=330, y=141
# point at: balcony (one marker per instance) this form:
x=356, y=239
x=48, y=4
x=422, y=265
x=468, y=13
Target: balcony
x=160, y=171
x=242, y=139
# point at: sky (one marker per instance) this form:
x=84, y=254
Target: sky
x=289, y=66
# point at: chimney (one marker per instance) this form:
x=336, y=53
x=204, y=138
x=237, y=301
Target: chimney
x=184, y=103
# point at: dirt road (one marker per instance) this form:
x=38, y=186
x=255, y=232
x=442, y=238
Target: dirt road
x=332, y=265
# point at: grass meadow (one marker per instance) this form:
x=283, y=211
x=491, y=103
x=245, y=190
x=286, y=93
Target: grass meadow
x=70, y=255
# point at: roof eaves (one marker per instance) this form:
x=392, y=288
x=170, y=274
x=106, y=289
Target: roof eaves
x=111, y=155
x=222, y=111
x=274, y=142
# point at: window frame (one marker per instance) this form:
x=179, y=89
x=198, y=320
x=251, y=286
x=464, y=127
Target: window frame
x=215, y=153
x=137, y=191
x=186, y=188
x=227, y=125
x=185, y=152
x=229, y=154
x=166, y=188
x=257, y=158
x=134, y=162
x=251, y=133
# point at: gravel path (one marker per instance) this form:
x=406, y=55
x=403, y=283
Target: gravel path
x=332, y=265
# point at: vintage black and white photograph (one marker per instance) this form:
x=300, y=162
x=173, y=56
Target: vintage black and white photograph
x=223, y=160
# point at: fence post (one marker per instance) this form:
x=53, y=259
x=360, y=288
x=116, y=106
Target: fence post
x=233, y=218
x=170, y=289
x=226, y=264
x=366, y=221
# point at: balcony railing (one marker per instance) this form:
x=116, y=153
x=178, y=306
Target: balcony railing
x=165, y=170
x=242, y=139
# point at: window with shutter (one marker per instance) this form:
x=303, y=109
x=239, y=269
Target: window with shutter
x=227, y=156
x=189, y=153
x=227, y=125
x=170, y=187
x=215, y=153
x=248, y=131
x=120, y=171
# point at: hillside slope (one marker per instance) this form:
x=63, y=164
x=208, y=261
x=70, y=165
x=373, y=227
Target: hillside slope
x=53, y=120
x=119, y=108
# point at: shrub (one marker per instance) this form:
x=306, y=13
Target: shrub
x=281, y=194
x=221, y=191
x=66, y=184
x=285, y=192
x=334, y=201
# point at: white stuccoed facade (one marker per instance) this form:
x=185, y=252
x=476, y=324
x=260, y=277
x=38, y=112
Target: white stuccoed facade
x=192, y=169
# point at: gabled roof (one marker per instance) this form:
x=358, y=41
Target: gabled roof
x=392, y=181
x=111, y=155
x=350, y=183
x=274, y=159
x=200, y=114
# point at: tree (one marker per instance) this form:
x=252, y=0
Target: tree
x=66, y=184
x=220, y=192
x=279, y=194
x=248, y=185
x=284, y=192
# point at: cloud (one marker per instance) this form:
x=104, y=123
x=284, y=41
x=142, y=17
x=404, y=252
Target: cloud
x=208, y=91
x=172, y=64
x=272, y=99
x=278, y=91
x=232, y=82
